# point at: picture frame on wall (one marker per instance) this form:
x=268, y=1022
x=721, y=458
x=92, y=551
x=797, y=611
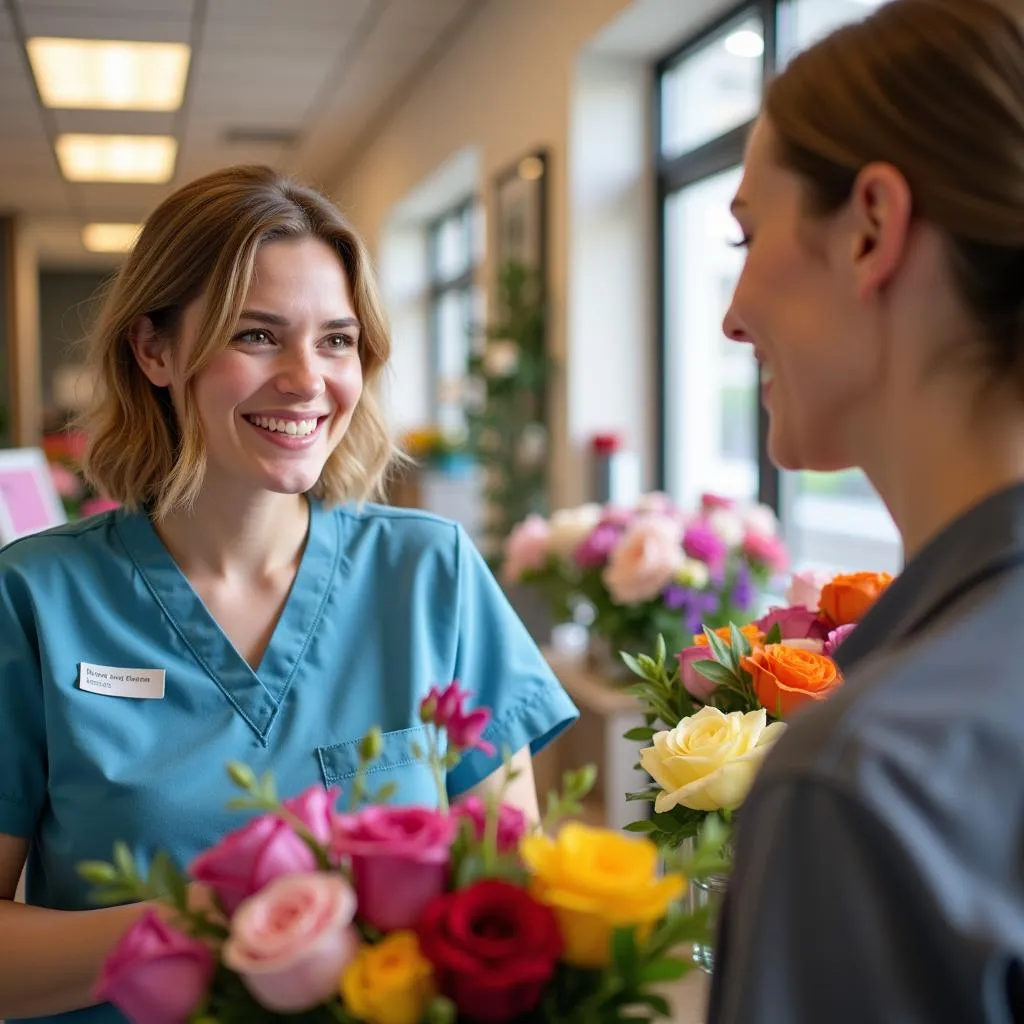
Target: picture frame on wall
x=29, y=501
x=520, y=208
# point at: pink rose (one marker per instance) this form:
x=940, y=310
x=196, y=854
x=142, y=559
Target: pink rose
x=710, y=502
x=155, y=975
x=246, y=860
x=511, y=821
x=794, y=623
x=805, y=588
x=526, y=548
x=399, y=859
x=291, y=941
x=315, y=809
x=657, y=502
x=837, y=636
x=766, y=549
x=694, y=683
x=645, y=561
x=616, y=517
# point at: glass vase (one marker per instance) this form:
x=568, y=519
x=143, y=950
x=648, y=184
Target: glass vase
x=708, y=892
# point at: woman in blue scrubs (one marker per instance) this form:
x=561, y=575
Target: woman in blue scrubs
x=247, y=602
x=879, y=873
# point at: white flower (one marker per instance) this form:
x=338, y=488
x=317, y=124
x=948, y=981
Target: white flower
x=709, y=760
x=693, y=573
x=729, y=525
x=533, y=446
x=501, y=358
x=760, y=519
x=570, y=527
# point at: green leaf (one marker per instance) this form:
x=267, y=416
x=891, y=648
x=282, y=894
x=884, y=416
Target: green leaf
x=719, y=648
x=633, y=665
x=660, y=653
x=245, y=803
x=665, y=969
x=625, y=955
x=644, y=826
x=738, y=642
x=267, y=788
x=386, y=792
x=242, y=775
x=124, y=861
x=640, y=733
x=97, y=872
x=656, y=1002
x=441, y=1011
x=716, y=672
x=774, y=635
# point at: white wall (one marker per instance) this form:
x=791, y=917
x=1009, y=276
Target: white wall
x=529, y=73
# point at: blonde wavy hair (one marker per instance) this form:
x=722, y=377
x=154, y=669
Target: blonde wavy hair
x=202, y=241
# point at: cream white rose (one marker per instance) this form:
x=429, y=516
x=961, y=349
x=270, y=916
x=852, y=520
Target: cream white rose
x=570, y=527
x=726, y=522
x=709, y=760
x=693, y=573
x=760, y=519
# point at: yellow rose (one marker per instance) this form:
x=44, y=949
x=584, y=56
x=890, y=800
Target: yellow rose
x=708, y=761
x=390, y=982
x=597, y=880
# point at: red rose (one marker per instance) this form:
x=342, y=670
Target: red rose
x=493, y=948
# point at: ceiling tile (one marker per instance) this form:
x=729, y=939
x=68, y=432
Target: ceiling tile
x=115, y=122
x=85, y=25
x=341, y=14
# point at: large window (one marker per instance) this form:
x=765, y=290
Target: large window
x=453, y=248
x=713, y=426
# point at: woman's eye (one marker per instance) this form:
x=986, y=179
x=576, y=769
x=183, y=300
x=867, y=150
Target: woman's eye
x=340, y=341
x=254, y=337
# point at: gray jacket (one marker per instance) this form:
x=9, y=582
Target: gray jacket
x=879, y=873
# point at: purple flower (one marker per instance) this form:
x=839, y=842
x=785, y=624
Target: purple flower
x=694, y=605
x=742, y=588
x=700, y=541
x=836, y=637
x=597, y=547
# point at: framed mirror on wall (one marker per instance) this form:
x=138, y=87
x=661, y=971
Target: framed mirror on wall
x=520, y=212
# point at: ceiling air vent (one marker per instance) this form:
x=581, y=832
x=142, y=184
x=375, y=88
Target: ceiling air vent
x=260, y=136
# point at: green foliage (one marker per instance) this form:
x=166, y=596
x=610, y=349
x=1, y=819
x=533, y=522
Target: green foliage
x=514, y=407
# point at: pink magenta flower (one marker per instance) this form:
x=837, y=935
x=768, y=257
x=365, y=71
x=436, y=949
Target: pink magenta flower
x=511, y=821
x=526, y=548
x=399, y=858
x=291, y=941
x=155, y=975
x=249, y=858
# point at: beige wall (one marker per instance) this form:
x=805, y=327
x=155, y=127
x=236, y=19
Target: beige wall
x=504, y=87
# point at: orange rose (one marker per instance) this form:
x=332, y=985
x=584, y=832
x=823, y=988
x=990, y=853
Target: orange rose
x=786, y=678
x=847, y=597
x=751, y=632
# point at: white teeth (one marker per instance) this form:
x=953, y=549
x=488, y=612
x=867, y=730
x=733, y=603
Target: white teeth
x=294, y=428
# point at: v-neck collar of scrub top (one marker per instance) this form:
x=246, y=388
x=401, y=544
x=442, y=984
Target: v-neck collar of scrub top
x=984, y=542
x=256, y=694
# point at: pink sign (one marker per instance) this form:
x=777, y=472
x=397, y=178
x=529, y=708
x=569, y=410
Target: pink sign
x=28, y=498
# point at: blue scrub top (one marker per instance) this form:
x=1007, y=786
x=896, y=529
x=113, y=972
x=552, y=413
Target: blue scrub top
x=387, y=602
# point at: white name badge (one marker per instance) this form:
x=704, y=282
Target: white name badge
x=143, y=683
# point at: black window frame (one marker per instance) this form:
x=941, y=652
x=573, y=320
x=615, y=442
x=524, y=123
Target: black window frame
x=674, y=173
x=440, y=286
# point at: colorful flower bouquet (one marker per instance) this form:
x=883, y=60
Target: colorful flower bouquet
x=400, y=915
x=719, y=705
x=653, y=569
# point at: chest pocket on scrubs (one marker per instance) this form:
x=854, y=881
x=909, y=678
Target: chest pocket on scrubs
x=401, y=762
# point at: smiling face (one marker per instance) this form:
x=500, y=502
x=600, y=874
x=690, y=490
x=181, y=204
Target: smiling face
x=277, y=400
x=800, y=302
